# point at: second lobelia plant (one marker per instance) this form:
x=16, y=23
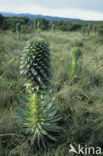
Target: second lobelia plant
x=76, y=63
x=18, y=29
x=89, y=29
x=36, y=25
x=38, y=117
x=53, y=27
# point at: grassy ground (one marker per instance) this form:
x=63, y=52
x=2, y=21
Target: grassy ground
x=80, y=99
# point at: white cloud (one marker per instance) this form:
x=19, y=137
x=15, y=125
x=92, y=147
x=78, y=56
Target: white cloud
x=65, y=12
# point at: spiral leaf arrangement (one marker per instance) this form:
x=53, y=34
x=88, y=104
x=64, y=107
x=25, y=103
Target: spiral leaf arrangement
x=35, y=64
x=39, y=120
x=38, y=117
x=76, y=62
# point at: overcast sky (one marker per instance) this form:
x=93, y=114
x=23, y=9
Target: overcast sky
x=83, y=9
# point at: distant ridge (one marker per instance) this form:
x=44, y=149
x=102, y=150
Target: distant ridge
x=31, y=16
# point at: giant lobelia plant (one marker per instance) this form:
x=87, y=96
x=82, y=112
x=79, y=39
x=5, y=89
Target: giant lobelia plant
x=37, y=116
x=76, y=64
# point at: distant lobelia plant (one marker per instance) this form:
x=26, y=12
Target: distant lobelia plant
x=89, y=28
x=53, y=27
x=35, y=25
x=83, y=29
x=76, y=63
x=38, y=117
x=94, y=29
x=18, y=29
x=38, y=26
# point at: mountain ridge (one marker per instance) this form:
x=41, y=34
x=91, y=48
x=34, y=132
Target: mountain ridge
x=32, y=16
